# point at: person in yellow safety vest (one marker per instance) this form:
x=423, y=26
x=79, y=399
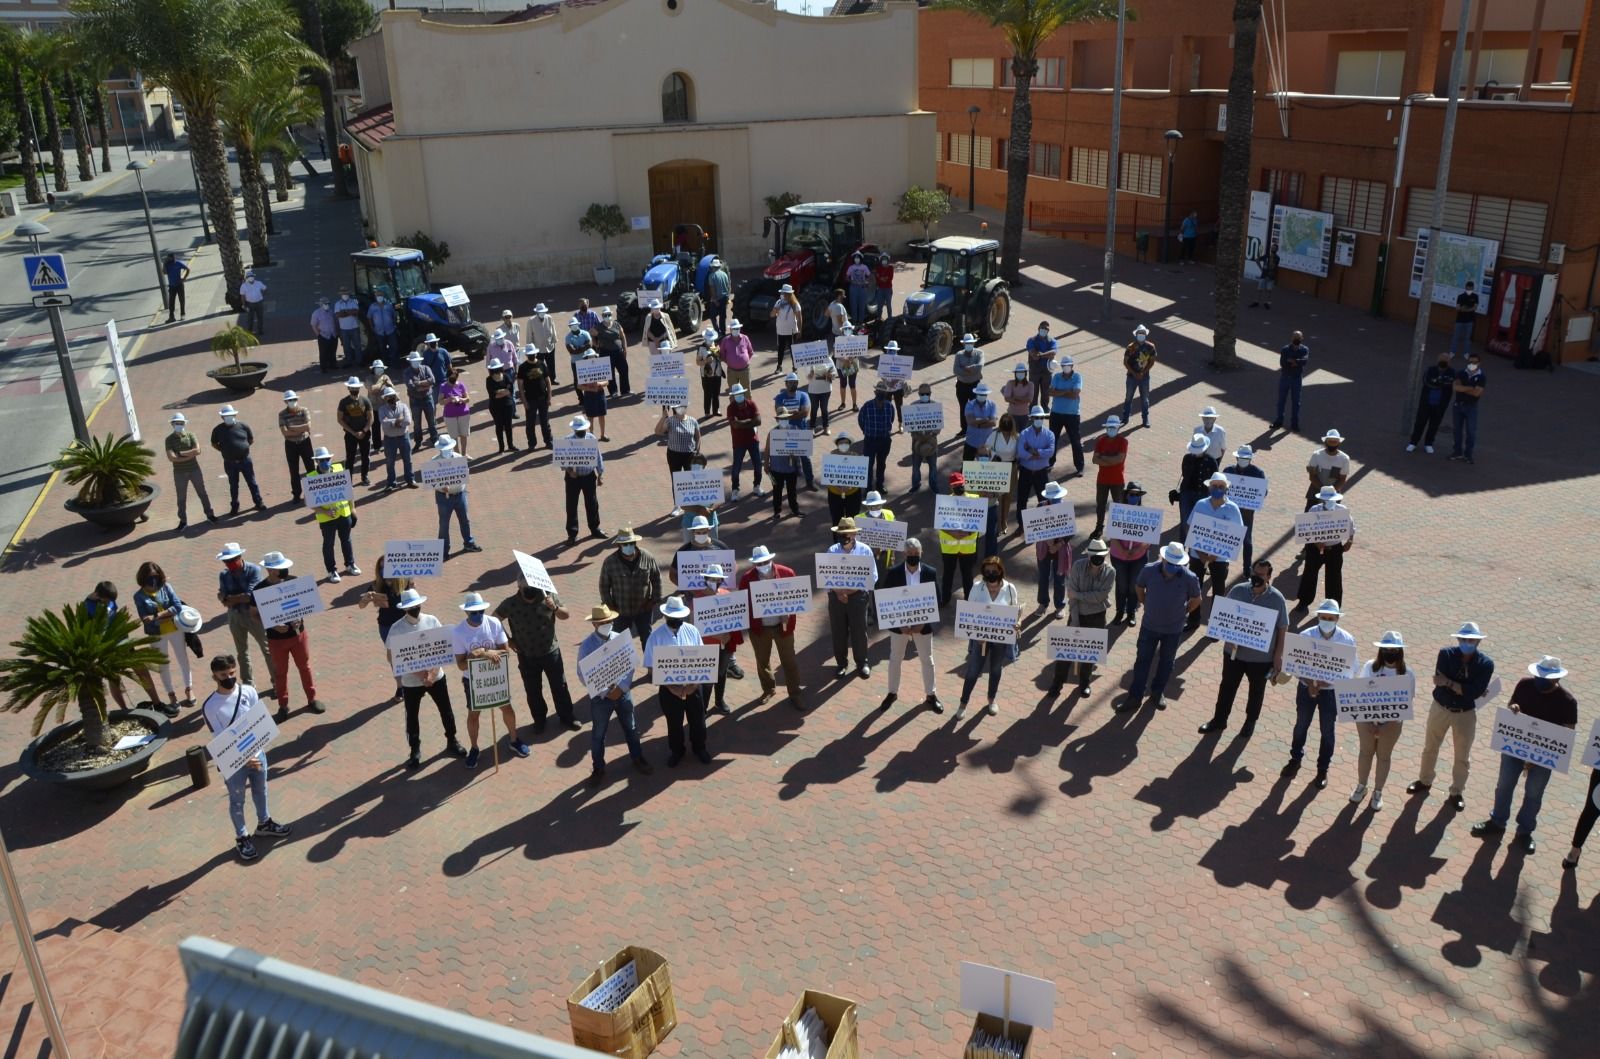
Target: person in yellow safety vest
x=338, y=518
x=959, y=549
x=873, y=507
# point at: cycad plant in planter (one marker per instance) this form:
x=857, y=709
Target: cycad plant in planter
x=112, y=479
x=69, y=660
x=241, y=376
x=608, y=223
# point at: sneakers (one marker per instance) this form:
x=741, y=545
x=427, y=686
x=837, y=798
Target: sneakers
x=1428, y=449
x=333, y=577
x=353, y=570
x=961, y=711
x=677, y=512
x=1487, y=828
x=316, y=706
x=245, y=849
x=734, y=495
x=519, y=748
x=992, y=710
x=1359, y=793
x=1411, y=448
x=272, y=829
x=472, y=758
x=1377, y=800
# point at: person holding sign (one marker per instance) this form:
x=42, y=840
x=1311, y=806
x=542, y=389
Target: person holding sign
x=847, y=607
x=682, y=435
x=584, y=483
x=959, y=548
x=1250, y=663
x=1216, y=505
x=1196, y=469
x=480, y=636
x=844, y=501
x=713, y=577
x=1315, y=698
x=1541, y=696
x=529, y=616
x=925, y=448
x=578, y=345
x=849, y=368
x=1325, y=556
x=1377, y=738
x=1036, y=454
x=337, y=519
x=1169, y=592
x=452, y=499
x=765, y=633
x=913, y=572
x=895, y=388
x=873, y=507
x=990, y=586
x=1110, y=458
x=1461, y=678
x=784, y=467
x=1129, y=558
x=592, y=396
x=1055, y=557
x=1244, y=467
x=611, y=342
x=222, y=707
x=876, y=420
x=429, y=682
x=618, y=699
x=819, y=389
x=1089, y=588
x=679, y=702
x=287, y=641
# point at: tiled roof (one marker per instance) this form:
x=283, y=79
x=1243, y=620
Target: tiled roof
x=372, y=127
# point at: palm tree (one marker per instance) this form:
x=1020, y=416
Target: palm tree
x=1026, y=25
x=311, y=19
x=297, y=107
x=46, y=53
x=80, y=125
x=14, y=53
x=1233, y=189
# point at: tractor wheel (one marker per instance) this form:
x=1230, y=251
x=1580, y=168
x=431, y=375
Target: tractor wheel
x=687, y=314
x=996, y=315
x=814, y=301
x=741, y=304
x=941, y=340
x=630, y=314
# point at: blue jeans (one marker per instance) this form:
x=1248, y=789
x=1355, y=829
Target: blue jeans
x=1127, y=572
x=422, y=408
x=1464, y=421
x=1142, y=385
x=237, y=469
x=740, y=452
x=858, y=303
x=1187, y=499
x=600, y=711
x=819, y=410
x=1289, y=392
x=876, y=450
x=350, y=339
x=1305, y=705
x=1051, y=577
x=882, y=298
x=1461, y=338
x=1163, y=647
x=456, y=505
x=385, y=347
x=1532, y=793
x=256, y=781
x=933, y=472
x=400, y=448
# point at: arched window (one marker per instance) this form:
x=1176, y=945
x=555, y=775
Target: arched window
x=675, y=99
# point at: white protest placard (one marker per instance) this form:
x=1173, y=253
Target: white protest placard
x=684, y=664
x=445, y=472
x=1245, y=624
x=921, y=418
x=697, y=487
x=1323, y=527
x=692, y=565
x=786, y=441
x=643, y=298
x=987, y=622
x=669, y=390
x=896, y=367
x=250, y=733
x=1007, y=994
x=960, y=514
x=1375, y=698
x=1048, y=522
x=424, y=558
x=285, y=601
x=882, y=533
x=808, y=353
x=1318, y=659
x=1213, y=536
x=1137, y=525
x=1532, y=740
x=593, y=370
x=533, y=571
x=1246, y=490
x=603, y=667
x=577, y=454
x=490, y=681
x=911, y=605
x=419, y=652
x=846, y=472
x=1075, y=643
x=988, y=477
x=666, y=365
x=330, y=488
x=843, y=571
x=723, y=613
x=1591, y=753
x=780, y=596
x=849, y=347
x=454, y=295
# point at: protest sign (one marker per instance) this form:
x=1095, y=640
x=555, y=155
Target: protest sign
x=989, y=477
x=846, y=472
x=960, y=514
x=490, y=681
x=884, y=533
x=323, y=489
x=593, y=369
x=445, y=472
x=722, y=613
x=780, y=596
x=894, y=367
x=422, y=558
x=692, y=564
x=1318, y=659
x=577, y=454
x=643, y=298
x=911, y=605
x=1591, y=753
x=533, y=571
x=843, y=571
x=418, y=652
x=250, y=733
x=698, y=487
x=604, y=666
x=285, y=601
x=666, y=365
x=807, y=354
x=684, y=664
x=670, y=390
x=1532, y=740
x=785, y=441
x=1075, y=643
x=1048, y=522
x=1323, y=527
x=1246, y=490
x=987, y=622
x=1245, y=624
x=922, y=418
x=1138, y=525
x=1375, y=698
x=1213, y=536
x=849, y=347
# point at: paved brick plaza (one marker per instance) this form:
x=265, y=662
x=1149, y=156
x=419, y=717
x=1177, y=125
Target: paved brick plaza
x=1184, y=898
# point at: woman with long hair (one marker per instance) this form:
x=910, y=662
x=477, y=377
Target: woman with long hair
x=158, y=606
x=990, y=586
x=385, y=595
x=1377, y=738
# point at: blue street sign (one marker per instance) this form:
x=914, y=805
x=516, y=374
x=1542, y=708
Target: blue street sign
x=46, y=272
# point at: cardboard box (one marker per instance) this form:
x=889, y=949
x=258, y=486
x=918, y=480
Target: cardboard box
x=1021, y=1033
x=837, y=1014
x=640, y=1022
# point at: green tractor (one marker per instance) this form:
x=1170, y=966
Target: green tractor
x=961, y=291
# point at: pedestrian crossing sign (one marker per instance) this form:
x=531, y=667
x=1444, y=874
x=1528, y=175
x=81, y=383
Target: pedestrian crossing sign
x=46, y=272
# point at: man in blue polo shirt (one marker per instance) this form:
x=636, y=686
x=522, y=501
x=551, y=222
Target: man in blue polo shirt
x=981, y=416
x=1216, y=505
x=1041, y=354
x=1066, y=394
x=381, y=318
x=1036, y=454
x=794, y=403
x=1169, y=592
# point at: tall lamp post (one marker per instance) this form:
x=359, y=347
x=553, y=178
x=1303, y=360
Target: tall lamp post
x=972, y=154
x=32, y=230
x=155, y=254
x=1172, y=136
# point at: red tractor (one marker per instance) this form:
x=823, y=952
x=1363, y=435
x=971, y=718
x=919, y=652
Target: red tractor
x=813, y=243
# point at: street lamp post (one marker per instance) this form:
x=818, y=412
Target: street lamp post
x=155, y=254
x=972, y=155
x=205, y=225
x=1172, y=136
x=69, y=379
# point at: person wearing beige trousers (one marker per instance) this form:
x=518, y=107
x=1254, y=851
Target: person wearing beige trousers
x=1461, y=678
x=1378, y=738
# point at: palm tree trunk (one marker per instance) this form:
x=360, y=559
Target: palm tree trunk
x=104, y=125
x=96, y=733
x=255, y=215
x=80, y=129
x=211, y=161
x=1019, y=149
x=1233, y=191
x=52, y=120
x=30, y=166
x=324, y=82
x=281, y=180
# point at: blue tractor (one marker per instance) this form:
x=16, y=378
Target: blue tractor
x=677, y=279
x=961, y=292
x=402, y=275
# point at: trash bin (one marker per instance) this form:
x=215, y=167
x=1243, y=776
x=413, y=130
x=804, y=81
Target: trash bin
x=1141, y=244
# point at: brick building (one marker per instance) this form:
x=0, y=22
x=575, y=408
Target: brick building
x=1335, y=135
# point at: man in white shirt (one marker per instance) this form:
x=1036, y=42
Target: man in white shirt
x=1214, y=433
x=847, y=608
x=481, y=637
x=254, y=295
x=230, y=701
x=452, y=500
x=679, y=701
x=1316, y=697
x=429, y=682
x=542, y=333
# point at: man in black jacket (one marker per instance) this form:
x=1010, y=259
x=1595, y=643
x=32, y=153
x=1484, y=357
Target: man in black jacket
x=913, y=572
x=1438, y=386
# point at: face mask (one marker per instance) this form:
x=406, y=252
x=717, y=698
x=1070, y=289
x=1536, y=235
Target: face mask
x=577, y=433
x=1329, y=505
x=1098, y=560
x=603, y=630
x=1472, y=365
x=393, y=401
x=1388, y=659
x=738, y=398
x=843, y=446
x=1133, y=500
x=629, y=550
x=1038, y=424
x=475, y=618
x=1111, y=432
x=227, y=683
x=1218, y=494
x=1543, y=683
x=1327, y=625
x=913, y=561
x=791, y=387
x=673, y=623
x=1331, y=449
x=323, y=466
x=1244, y=461
x=230, y=420
x=924, y=398
x=1468, y=647
x=702, y=538
x=530, y=593
x=992, y=576
x=1043, y=333
x=765, y=569
x=177, y=428
x=356, y=392
x=983, y=457
x=1256, y=580
x=1171, y=568
x=234, y=564
x=291, y=405
x=413, y=616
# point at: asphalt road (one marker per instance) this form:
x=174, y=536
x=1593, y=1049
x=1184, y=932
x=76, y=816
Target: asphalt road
x=108, y=257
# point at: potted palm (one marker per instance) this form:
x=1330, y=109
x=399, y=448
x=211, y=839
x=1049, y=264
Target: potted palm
x=112, y=478
x=606, y=222
x=241, y=376
x=69, y=660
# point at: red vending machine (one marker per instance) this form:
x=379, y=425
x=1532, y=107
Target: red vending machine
x=1519, y=313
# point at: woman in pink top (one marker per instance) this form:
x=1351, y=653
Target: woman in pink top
x=1019, y=394
x=457, y=408
x=1129, y=558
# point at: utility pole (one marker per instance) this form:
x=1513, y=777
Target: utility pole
x=1109, y=277
x=30, y=955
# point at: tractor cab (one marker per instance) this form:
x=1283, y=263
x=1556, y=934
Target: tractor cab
x=961, y=291
x=676, y=278
x=814, y=242
x=957, y=268
x=401, y=274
